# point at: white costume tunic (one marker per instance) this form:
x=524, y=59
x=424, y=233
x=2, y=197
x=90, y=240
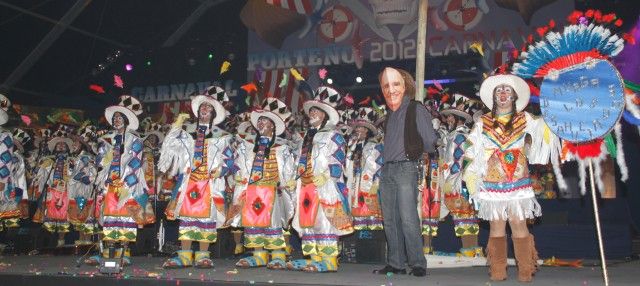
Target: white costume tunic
x=200, y=186
x=499, y=170
x=363, y=182
x=252, y=209
x=54, y=174
x=122, y=184
x=322, y=212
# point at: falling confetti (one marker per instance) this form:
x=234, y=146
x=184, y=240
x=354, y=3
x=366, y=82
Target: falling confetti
x=225, y=67
x=296, y=74
x=477, y=47
x=348, y=99
x=322, y=73
x=284, y=81
x=365, y=101
x=250, y=87
x=26, y=119
x=117, y=81
x=96, y=88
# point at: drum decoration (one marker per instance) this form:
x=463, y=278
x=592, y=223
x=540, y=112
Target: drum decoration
x=582, y=95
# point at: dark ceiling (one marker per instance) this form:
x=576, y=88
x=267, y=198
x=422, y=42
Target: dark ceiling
x=59, y=74
x=140, y=31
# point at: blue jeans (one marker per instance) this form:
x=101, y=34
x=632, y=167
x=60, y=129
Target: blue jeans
x=399, y=194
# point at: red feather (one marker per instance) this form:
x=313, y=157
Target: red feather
x=96, y=88
x=552, y=24
x=589, y=13
x=618, y=23
x=542, y=30
x=585, y=150
x=629, y=39
x=598, y=16
x=574, y=17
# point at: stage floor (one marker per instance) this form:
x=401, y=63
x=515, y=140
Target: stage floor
x=53, y=270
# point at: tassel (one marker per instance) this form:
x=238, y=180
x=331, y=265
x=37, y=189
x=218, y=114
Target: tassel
x=582, y=174
x=597, y=166
x=624, y=171
x=562, y=184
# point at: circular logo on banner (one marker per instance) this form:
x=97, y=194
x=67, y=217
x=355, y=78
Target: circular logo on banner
x=583, y=102
x=462, y=15
x=336, y=24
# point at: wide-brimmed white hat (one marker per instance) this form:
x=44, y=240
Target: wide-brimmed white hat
x=215, y=96
x=274, y=109
x=366, y=117
x=4, y=108
x=461, y=106
x=154, y=128
x=519, y=86
x=20, y=138
x=130, y=107
x=59, y=136
x=326, y=99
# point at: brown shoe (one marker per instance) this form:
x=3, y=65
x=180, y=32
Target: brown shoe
x=497, y=258
x=526, y=257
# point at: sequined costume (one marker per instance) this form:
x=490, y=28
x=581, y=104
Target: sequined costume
x=201, y=161
x=362, y=174
x=122, y=185
x=322, y=211
x=265, y=207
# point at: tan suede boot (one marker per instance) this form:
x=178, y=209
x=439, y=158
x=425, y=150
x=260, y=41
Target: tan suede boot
x=497, y=258
x=526, y=257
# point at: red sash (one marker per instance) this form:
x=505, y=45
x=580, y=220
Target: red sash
x=258, y=205
x=197, y=200
x=308, y=205
x=54, y=211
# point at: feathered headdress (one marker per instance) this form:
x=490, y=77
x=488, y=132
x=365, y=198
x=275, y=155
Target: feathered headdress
x=580, y=51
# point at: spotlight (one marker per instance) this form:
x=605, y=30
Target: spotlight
x=358, y=79
x=128, y=67
x=329, y=81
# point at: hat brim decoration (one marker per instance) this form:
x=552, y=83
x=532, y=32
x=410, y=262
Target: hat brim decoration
x=325, y=98
x=4, y=107
x=130, y=107
x=457, y=112
x=277, y=121
x=55, y=140
x=131, y=117
x=217, y=107
x=4, y=117
x=366, y=124
x=518, y=84
x=331, y=112
x=243, y=128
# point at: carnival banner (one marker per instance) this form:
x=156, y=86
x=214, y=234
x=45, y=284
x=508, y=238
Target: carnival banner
x=305, y=33
x=309, y=35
